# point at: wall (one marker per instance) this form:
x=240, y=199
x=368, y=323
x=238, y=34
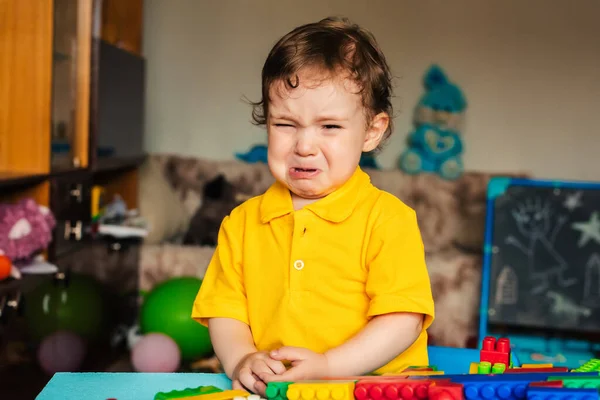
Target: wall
x=530, y=70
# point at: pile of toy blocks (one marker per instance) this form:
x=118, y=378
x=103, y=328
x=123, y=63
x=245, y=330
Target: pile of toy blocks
x=493, y=378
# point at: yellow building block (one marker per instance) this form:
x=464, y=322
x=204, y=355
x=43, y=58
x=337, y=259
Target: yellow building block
x=321, y=390
x=474, y=368
x=224, y=395
x=413, y=373
x=537, y=366
x=420, y=373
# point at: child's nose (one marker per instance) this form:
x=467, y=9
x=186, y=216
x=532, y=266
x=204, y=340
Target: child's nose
x=305, y=143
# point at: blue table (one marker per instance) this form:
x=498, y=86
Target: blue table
x=141, y=386
x=124, y=385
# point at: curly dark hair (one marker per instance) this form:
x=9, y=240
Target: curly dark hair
x=332, y=45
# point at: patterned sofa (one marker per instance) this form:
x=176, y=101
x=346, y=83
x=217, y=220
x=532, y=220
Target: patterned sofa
x=451, y=217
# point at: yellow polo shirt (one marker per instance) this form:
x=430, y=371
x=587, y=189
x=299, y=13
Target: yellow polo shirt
x=314, y=277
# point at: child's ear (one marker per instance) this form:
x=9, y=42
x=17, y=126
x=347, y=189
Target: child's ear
x=375, y=132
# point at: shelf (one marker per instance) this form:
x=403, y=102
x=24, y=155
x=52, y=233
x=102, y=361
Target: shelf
x=15, y=179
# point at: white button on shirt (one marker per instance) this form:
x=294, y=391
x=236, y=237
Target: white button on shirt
x=298, y=264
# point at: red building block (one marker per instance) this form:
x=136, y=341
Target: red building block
x=446, y=391
x=495, y=352
x=403, y=389
x=557, y=384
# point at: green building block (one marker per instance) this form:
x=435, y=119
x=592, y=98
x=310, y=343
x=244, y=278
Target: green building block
x=484, y=367
x=277, y=390
x=433, y=367
x=578, y=382
x=591, y=366
x=187, y=392
x=498, y=368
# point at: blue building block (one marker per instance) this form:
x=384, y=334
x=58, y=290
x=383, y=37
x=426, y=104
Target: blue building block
x=505, y=390
x=526, y=377
x=504, y=386
x=547, y=393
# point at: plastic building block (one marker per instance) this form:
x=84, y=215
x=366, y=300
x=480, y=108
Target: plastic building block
x=356, y=378
x=277, y=390
x=224, y=395
x=321, y=390
x=557, y=384
x=587, y=382
x=392, y=390
x=529, y=377
x=535, y=366
x=534, y=370
x=495, y=351
x=445, y=391
x=505, y=390
x=592, y=365
x=421, y=373
x=547, y=393
x=417, y=368
x=474, y=368
x=484, y=367
x=498, y=368
x=187, y=392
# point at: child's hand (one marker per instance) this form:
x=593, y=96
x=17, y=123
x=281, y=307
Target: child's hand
x=306, y=364
x=254, y=365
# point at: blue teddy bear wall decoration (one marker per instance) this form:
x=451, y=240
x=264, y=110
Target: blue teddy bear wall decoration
x=435, y=144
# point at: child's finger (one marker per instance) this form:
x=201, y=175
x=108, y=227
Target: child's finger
x=276, y=366
x=291, y=375
x=260, y=388
x=247, y=379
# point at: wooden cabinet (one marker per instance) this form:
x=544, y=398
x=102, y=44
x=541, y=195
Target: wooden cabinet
x=70, y=84
x=50, y=114
x=50, y=84
x=25, y=94
x=122, y=24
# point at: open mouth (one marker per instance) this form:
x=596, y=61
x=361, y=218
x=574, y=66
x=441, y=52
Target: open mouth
x=304, y=169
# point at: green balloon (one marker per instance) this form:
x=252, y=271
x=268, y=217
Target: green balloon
x=75, y=304
x=167, y=309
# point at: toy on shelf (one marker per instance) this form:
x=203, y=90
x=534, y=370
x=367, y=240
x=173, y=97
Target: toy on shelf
x=435, y=145
x=98, y=202
x=25, y=232
x=116, y=220
x=6, y=267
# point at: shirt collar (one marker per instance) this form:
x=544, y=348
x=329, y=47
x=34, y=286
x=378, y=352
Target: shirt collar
x=336, y=207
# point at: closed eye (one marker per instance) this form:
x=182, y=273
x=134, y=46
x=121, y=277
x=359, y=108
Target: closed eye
x=283, y=125
x=332, y=127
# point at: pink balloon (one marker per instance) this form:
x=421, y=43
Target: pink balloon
x=61, y=351
x=156, y=352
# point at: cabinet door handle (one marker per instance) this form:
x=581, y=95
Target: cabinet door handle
x=76, y=230
x=77, y=192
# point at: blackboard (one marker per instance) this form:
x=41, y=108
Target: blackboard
x=542, y=255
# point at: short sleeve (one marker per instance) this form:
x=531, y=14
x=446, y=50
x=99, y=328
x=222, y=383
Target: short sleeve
x=222, y=293
x=398, y=280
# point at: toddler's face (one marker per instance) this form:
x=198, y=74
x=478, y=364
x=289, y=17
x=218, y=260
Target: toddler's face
x=317, y=133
